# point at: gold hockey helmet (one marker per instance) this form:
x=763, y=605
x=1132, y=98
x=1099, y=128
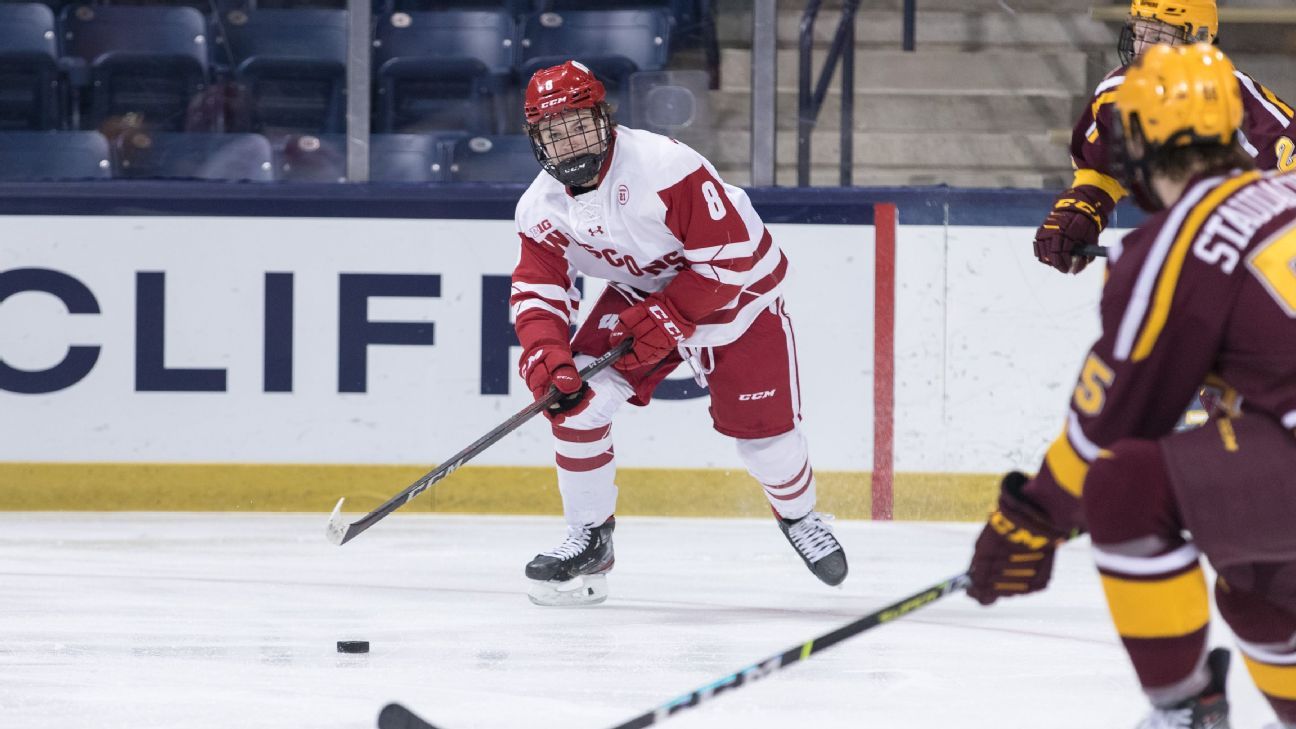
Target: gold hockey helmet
x=1167, y=21
x=1174, y=96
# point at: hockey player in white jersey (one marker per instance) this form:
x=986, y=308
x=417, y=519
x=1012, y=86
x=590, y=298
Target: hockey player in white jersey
x=692, y=275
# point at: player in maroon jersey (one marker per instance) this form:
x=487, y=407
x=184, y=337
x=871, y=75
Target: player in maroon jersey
x=693, y=275
x=1203, y=291
x=1082, y=210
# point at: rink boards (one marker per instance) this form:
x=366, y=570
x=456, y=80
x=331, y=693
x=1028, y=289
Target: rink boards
x=242, y=362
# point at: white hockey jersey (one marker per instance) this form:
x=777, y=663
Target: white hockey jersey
x=660, y=210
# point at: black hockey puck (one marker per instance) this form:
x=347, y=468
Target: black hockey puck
x=353, y=646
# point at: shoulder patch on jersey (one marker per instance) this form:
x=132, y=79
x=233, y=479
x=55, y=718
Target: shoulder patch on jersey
x=536, y=231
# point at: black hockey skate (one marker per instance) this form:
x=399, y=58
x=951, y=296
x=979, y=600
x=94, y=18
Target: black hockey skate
x=1207, y=710
x=575, y=572
x=814, y=541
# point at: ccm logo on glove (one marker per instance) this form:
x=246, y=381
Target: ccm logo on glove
x=660, y=315
x=657, y=328
x=1015, y=534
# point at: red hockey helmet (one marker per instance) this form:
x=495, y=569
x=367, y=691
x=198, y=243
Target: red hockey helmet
x=556, y=89
x=569, y=150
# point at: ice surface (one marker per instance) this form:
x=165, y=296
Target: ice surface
x=152, y=621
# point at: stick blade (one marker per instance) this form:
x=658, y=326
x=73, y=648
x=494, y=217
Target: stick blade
x=337, y=529
x=395, y=716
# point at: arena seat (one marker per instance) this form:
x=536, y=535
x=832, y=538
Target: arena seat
x=692, y=21
x=613, y=43
x=293, y=64
x=29, y=77
x=445, y=70
x=642, y=36
x=205, y=7
x=52, y=155
x=56, y=6
x=309, y=157
x=682, y=12
x=502, y=158
x=193, y=155
x=392, y=157
x=514, y=8
x=149, y=61
x=412, y=157
x=304, y=4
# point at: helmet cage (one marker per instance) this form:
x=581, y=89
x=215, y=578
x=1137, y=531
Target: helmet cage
x=1150, y=32
x=582, y=164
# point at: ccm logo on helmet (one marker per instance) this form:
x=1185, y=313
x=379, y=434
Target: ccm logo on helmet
x=553, y=102
x=755, y=395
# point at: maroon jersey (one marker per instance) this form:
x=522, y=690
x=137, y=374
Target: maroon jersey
x=1267, y=133
x=1204, y=291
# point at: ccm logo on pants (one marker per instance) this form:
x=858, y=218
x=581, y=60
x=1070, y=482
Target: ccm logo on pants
x=756, y=395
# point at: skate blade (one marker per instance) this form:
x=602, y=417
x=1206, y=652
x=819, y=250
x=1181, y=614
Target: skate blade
x=581, y=591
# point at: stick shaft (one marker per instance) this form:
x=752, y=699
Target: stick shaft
x=761, y=669
x=451, y=464
x=1097, y=251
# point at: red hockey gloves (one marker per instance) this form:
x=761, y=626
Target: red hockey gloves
x=657, y=328
x=1014, y=554
x=550, y=363
x=1077, y=218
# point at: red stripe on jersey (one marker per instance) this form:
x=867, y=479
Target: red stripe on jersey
x=566, y=308
x=750, y=294
x=772, y=279
x=581, y=465
x=700, y=214
x=572, y=435
x=517, y=297
x=539, y=264
x=542, y=263
x=742, y=263
x=697, y=297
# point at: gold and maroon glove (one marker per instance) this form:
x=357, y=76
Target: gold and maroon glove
x=1014, y=554
x=1078, y=216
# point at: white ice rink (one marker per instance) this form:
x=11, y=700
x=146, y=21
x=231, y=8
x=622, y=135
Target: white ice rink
x=152, y=621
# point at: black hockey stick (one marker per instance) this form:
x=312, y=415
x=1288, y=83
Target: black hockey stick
x=340, y=532
x=1098, y=251
x=395, y=716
